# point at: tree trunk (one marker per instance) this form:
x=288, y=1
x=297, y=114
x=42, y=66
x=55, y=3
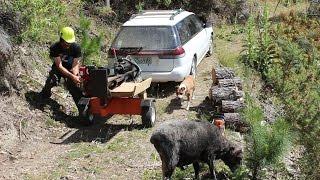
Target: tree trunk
x=224, y=93
x=230, y=82
x=232, y=106
x=221, y=73
x=234, y=121
x=107, y=2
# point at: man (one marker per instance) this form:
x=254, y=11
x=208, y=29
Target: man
x=65, y=54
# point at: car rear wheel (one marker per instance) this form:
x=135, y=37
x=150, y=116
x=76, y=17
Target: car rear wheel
x=193, y=70
x=210, y=51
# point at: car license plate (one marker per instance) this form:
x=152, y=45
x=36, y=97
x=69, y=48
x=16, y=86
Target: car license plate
x=143, y=60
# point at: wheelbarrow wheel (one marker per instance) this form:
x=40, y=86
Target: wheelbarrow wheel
x=87, y=118
x=148, y=115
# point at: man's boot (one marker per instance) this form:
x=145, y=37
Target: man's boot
x=50, y=82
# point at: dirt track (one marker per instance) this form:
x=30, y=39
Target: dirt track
x=111, y=149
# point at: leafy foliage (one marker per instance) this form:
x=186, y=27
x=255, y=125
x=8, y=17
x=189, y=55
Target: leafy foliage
x=292, y=69
x=260, y=51
x=90, y=45
x=43, y=18
x=266, y=143
x=228, y=9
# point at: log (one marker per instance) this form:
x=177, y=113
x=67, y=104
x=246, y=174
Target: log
x=233, y=121
x=230, y=82
x=224, y=93
x=221, y=73
x=232, y=106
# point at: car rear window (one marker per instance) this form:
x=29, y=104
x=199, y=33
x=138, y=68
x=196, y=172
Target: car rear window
x=147, y=37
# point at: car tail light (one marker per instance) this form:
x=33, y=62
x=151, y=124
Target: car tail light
x=172, y=54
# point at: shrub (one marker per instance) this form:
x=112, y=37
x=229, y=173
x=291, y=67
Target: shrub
x=293, y=70
x=42, y=18
x=230, y=9
x=265, y=143
x=260, y=47
x=90, y=46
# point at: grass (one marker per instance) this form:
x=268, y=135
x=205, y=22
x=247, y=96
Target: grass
x=52, y=123
x=117, y=144
x=188, y=173
x=178, y=174
x=82, y=150
x=161, y=107
x=228, y=45
x=300, y=7
x=91, y=159
x=82, y=158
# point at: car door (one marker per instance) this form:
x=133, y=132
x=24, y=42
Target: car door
x=196, y=37
x=201, y=40
x=185, y=36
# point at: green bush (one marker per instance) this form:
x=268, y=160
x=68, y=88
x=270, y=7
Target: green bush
x=293, y=70
x=90, y=46
x=42, y=18
x=260, y=47
x=265, y=143
x=225, y=9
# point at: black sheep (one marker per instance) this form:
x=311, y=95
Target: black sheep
x=181, y=143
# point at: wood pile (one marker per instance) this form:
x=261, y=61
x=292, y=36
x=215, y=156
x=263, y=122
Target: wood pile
x=227, y=97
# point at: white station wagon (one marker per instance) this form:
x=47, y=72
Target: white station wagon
x=166, y=44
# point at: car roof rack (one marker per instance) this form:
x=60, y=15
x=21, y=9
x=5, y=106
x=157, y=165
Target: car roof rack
x=173, y=13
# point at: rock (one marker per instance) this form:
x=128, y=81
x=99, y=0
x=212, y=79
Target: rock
x=5, y=46
x=10, y=22
x=5, y=56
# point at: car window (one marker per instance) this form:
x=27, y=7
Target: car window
x=184, y=30
x=188, y=28
x=197, y=23
x=147, y=37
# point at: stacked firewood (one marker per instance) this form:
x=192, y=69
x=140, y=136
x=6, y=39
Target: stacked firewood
x=227, y=97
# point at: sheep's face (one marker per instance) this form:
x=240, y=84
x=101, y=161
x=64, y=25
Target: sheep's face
x=232, y=157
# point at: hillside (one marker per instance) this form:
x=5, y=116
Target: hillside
x=273, y=46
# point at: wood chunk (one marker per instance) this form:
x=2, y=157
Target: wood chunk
x=221, y=73
x=233, y=121
x=230, y=82
x=224, y=93
x=232, y=106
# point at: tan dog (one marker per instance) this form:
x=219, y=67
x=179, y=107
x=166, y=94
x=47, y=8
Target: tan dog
x=186, y=88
